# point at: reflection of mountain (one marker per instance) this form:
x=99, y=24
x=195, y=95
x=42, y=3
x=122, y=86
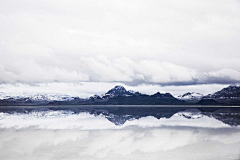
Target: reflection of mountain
x=119, y=115
x=230, y=116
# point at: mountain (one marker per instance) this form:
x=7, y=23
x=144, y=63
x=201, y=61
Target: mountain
x=230, y=92
x=36, y=96
x=191, y=97
x=28, y=98
x=118, y=95
x=143, y=99
x=226, y=96
x=120, y=91
x=208, y=102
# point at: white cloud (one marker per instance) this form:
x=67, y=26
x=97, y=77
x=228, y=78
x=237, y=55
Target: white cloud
x=131, y=42
x=224, y=74
x=103, y=69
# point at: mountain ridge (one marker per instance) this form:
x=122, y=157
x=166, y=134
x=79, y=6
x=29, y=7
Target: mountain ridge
x=118, y=95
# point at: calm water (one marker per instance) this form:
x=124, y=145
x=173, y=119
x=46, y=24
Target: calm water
x=119, y=132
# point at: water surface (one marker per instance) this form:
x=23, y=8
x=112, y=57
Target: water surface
x=119, y=132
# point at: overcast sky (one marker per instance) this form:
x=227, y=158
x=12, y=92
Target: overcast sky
x=136, y=43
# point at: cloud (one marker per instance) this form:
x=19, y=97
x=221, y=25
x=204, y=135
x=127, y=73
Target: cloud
x=222, y=76
x=166, y=43
x=102, y=69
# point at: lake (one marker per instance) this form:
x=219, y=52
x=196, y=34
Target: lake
x=119, y=132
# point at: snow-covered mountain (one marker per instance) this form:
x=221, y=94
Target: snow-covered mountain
x=190, y=96
x=226, y=96
x=118, y=95
x=114, y=92
x=31, y=98
x=36, y=96
x=230, y=92
x=120, y=91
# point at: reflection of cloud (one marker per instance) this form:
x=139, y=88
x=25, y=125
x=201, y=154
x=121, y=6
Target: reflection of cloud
x=54, y=120
x=65, y=135
x=127, y=143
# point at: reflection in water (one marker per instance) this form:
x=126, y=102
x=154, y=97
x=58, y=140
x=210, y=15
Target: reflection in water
x=119, y=133
x=120, y=115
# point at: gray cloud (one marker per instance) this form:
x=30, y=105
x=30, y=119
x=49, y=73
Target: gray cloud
x=166, y=43
x=124, y=70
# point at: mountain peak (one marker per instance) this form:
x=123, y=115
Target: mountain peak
x=117, y=90
x=119, y=87
x=232, y=87
x=190, y=95
x=157, y=93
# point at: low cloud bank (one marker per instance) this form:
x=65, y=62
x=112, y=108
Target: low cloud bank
x=123, y=70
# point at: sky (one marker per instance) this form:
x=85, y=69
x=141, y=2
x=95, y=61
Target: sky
x=167, y=46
